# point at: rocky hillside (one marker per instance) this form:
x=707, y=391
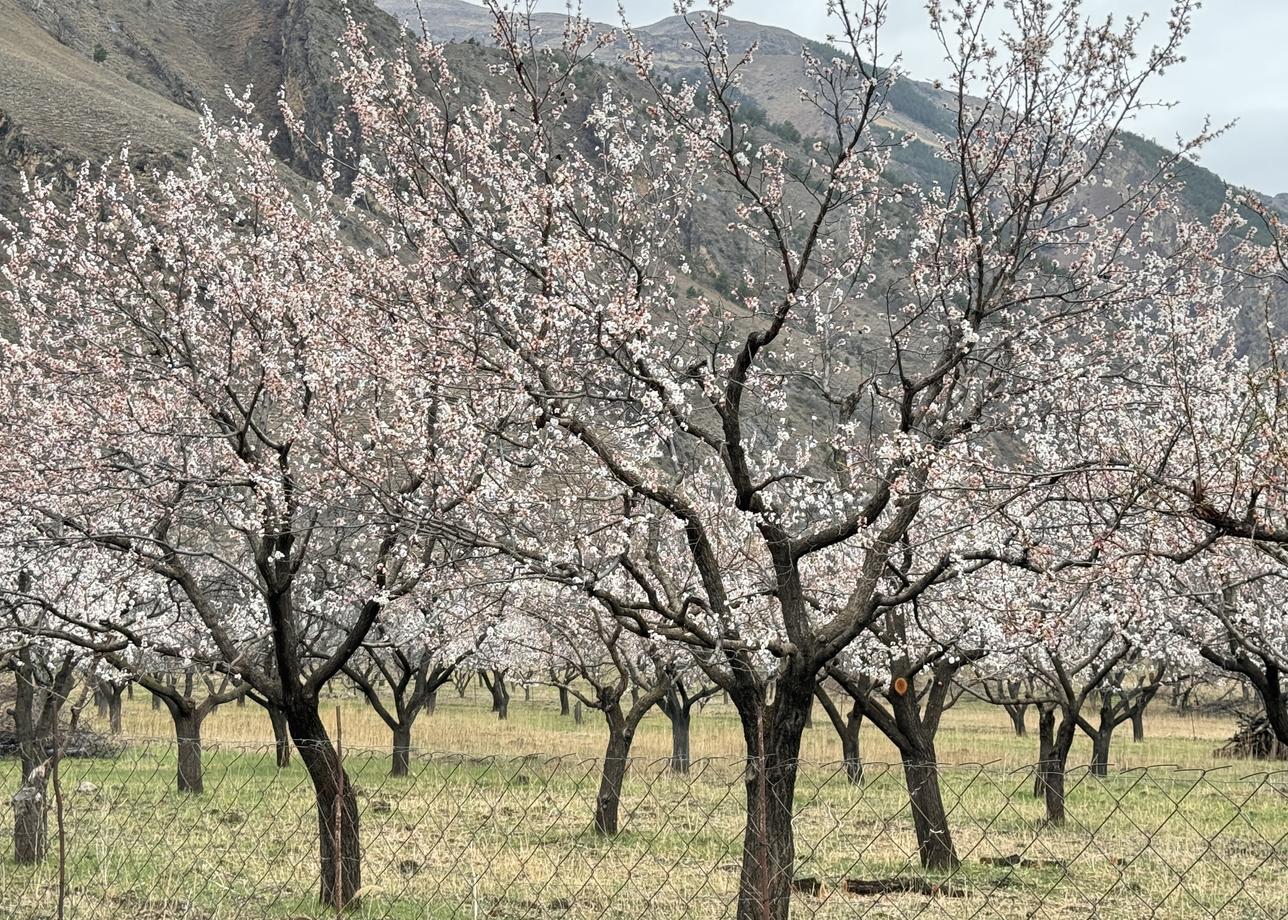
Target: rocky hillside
x=78, y=78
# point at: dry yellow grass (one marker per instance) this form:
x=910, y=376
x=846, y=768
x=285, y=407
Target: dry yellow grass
x=502, y=828
x=972, y=733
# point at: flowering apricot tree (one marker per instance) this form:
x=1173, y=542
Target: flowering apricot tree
x=212, y=382
x=704, y=466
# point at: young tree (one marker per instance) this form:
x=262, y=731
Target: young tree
x=686, y=690
x=405, y=661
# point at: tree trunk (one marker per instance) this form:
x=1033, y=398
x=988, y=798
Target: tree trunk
x=1016, y=712
x=500, y=694
x=850, y=753
x=114, y=709
x=609, y=798
x=402, y=750
x=1046, y=746
x=431, y=702
x=773, y=737
x=1052, y=771
x=576, y=713
x=339, y=844
x=929, y=818
x=281, y=737
x=681, y=723
x=1138, y=724
x=30, y=823
x=187, y=731
x=1100, y=743
x=563, y=701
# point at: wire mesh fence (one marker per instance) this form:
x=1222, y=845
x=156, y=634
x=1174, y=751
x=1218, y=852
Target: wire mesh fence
x=514, y=837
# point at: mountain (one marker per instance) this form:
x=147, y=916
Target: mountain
x=772, y=80
x=79, y=78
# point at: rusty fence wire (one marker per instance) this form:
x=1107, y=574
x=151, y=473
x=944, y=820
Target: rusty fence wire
x=514, y=838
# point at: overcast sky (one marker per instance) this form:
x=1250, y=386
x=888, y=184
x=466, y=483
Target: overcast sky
x=1237, y=68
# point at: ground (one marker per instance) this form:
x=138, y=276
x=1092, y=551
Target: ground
x=500, y=827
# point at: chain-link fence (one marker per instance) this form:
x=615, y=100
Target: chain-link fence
x=507, y=837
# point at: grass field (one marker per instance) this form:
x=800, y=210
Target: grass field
x=972, y=733
x=501, y=827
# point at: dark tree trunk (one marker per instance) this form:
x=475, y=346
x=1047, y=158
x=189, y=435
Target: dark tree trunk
x=339, y=843
x=527, y=693
x=500, y=693
x=850, y=753
x=1138, y=723
x=929, y=818
x=431, y=702
x=187, y=732
x=576, y=713
x=1016, y=712
x=681, y=725
x=1100, y=744
x=281, y=737
x=1046, y=747
x=402, y=750
x=114, y=695
x=1052, y=771
x=773, y=737
x=30, y=813
x=847, y=729
x=616, y=757
x=921, y=775
x=563, y=701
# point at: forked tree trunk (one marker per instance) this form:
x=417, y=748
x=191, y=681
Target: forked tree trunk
x=921, y=775
x=773, y=738
x=1016, y=712
x=500, y=693
x=847, y=727
x=339, y=843
x=1052, y=771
